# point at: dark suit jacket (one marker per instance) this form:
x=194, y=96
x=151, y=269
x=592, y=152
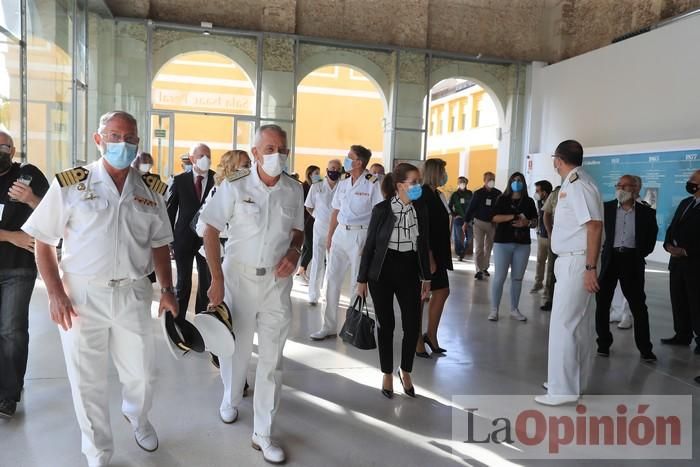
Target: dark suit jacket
x=439, y=220
x=182, y=207
x=685, y=232
x=645, y=231
x=378, y=235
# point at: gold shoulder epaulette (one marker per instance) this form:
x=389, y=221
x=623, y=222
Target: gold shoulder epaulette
x=72, y=176
x=371, y=178
x=345, y=175
x=155, y=184
x=573, y=177
x=238, y=174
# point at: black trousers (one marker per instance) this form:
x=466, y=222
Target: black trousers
x=307, y=249
x=400, y=277
x=184, y=256
x=628, y=269
x=684, y=283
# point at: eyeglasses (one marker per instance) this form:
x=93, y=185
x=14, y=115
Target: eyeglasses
x=113, y=137
x=5, y=148
x=281, y=151
x=622, y=186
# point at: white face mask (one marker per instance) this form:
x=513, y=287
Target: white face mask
x=203, y=163
x=145, y=168
x=536, y=196
x=274, y=164
x=622, y=196
x=491, y=183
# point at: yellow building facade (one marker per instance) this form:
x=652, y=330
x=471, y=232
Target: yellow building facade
x=463, y=131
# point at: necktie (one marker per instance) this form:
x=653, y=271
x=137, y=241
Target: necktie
x=198, y=187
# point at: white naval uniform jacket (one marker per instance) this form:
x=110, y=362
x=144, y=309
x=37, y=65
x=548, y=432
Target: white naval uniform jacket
x=106, y=235
x=260, y=218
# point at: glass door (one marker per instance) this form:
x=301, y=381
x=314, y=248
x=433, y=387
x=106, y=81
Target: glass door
x=243, y=134
x=163, y=144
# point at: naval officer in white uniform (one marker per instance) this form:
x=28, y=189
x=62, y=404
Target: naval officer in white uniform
x=576, y=240
x=352, y=205
x=318, y=203
x=115, y=229
x=264, y=211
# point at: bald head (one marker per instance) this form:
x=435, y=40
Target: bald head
x=200, y=151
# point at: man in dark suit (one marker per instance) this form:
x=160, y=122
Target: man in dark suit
x=187, y=194
x=683, y=243
x=630, y=236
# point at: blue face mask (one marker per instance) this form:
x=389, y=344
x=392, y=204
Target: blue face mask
x=347, y=164
x=120, y=155
x=516, y=186
x=315, y=178
x=444, y=180
x=188, y=168
x=414, y=192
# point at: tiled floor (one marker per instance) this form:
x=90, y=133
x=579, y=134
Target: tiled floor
x=332, y=412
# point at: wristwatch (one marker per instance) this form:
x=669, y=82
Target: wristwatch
x=167, y=290
x=591, y=267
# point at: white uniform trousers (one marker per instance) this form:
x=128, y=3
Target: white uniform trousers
x=116, y=321
x=262, y=302
x=345, y=253
x=571, y=329
x=619, y=308
x=318, y=261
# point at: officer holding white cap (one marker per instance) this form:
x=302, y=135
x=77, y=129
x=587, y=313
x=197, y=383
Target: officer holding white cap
x=576, y=240
x=264, y=211
x=115, y=230
x=318, y=203
x=352, y=205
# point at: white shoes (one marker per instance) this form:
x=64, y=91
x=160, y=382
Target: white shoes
x=626, y=322
x=322, y=334
x=493, y=316
x=515, y=314
x=228, y=414
x=270, y=451
x=145, y=435
x=550, y=400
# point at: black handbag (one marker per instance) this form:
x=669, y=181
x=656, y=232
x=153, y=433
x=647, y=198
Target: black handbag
x=358, y=329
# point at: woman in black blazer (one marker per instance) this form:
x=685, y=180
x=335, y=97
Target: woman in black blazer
x=435, y=176
x=395, y=262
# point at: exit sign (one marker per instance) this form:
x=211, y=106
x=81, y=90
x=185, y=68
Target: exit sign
x=160, y=133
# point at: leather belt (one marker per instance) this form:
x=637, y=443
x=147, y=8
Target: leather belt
x=353, y=227
x=624, y=249
x=572, y=253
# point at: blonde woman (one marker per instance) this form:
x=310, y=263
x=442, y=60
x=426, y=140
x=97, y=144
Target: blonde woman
x=435, y=176
x=231, y=161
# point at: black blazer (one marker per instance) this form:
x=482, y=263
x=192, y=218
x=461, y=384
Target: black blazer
x=645, y=231
x=378, y=235
x=685, y=232
x=183, y=205
x=439, y=220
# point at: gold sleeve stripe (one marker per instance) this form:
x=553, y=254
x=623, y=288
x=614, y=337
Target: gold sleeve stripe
x=155, y=184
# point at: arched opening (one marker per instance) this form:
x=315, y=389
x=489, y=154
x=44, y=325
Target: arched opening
x=198, y=97
x=464, y=128
x=338, y=106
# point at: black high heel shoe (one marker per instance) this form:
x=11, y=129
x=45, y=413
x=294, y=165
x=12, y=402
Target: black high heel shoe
x=433, y=348
x=409, y=391
x=388, y=393
x=423, y=355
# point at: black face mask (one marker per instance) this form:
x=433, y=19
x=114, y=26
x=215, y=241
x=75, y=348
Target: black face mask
x=690, y=187
x=5, y=161
x=333, y=174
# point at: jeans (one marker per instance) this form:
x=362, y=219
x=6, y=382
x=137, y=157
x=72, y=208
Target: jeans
x=515, y=257
x=16, y=286
x=458, y=236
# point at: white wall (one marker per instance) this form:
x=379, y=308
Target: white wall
x=639, y=94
